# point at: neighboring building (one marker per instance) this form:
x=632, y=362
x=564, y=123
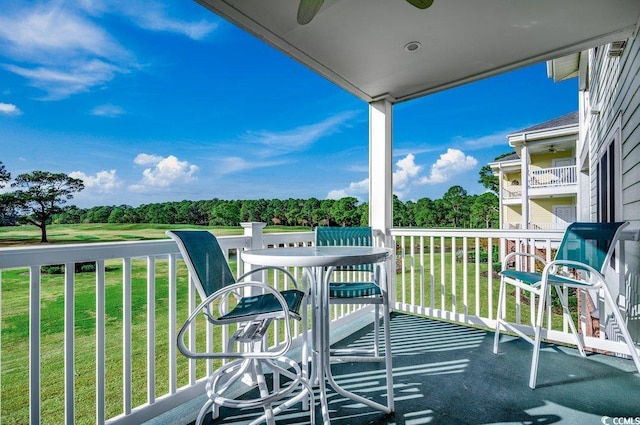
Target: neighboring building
x=539, y=182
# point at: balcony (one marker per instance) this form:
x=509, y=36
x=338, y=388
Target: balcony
x=543, y=182
x=114, y=328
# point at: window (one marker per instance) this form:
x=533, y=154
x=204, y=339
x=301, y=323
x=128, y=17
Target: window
x=606, y=185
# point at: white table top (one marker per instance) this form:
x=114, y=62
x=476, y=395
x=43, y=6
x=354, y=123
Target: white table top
x=320, y=256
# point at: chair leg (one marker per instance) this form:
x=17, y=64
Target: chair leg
x=499, y=314
x=544, y=291
x=579, y=342
x=623, y=327
x=376, y=331
x=387, y=356
x=264, y=391
x=203, y=411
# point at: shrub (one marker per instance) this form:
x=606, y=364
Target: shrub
x=86, y=267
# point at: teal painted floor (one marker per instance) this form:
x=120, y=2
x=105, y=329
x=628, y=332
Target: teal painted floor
x=447, y=374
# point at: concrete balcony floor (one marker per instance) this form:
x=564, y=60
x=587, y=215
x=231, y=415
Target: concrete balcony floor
x=446, y=373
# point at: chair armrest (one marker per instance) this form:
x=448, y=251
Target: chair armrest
x=263, y=268
x=553, y=266
x=521, y=254
x=222, y=293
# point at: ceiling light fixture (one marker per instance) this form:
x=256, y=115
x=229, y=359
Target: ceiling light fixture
x=412, y=46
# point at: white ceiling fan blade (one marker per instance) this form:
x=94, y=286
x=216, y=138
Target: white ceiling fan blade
x=420, y=4
x=307, y=10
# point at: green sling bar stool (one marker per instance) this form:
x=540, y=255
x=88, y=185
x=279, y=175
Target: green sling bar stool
x=586, y=248
x=370, y=290
x=248, y=360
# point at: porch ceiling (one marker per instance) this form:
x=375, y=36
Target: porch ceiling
x=359, y=44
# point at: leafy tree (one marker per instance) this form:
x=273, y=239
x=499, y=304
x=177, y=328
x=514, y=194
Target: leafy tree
x=456, y=208
x=99, y=214
x=308, y=216
x=252, y=210
x=292, y=211
x=70, y=215
x=487, y=178
x=117, y=215
x=363, y=211
x=344, y=211
x=225, y=213
x=5, y=176
x=425, y=213
x=403, y=214
x=41, y=194
x=485, y=211
x=324, y=214
x=5, y=205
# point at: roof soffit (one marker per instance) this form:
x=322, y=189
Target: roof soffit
x=359, y=44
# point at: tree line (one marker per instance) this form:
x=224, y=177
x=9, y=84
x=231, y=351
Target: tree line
x=455, y=209
x=39, y=199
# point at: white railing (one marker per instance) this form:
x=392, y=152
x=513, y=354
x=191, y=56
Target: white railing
x=555, y=176
x=511, y=225
x=511, y=192
x=549, y=226
x=451, y=274
x=123, y=368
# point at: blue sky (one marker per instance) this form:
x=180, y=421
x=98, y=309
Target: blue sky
x=164, y=101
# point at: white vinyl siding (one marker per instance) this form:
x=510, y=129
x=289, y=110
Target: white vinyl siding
x=614, y=90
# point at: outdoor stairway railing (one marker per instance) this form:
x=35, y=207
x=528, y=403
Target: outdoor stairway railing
x=124, y=368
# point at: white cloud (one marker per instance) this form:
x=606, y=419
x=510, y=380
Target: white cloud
x=59, y=48
x=9, y=109
x=146, y=159
x=407, y=175
x=60, y=51
x=356, y=189
x=236, y=164
x=164, y=172
x=107, y=110
x=61, y=83
x=484, y=142
x=53, y=34
x=450, y=164
x=103, y=181
x=299, y=138
x=152, y=16
x=403, y=177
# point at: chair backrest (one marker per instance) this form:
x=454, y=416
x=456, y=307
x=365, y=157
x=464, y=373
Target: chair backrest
x=590, y=243
x=345, y=236
x=205, y=260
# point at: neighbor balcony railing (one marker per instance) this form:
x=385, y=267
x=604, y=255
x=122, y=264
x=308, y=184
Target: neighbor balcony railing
x=118, y=325
x=541, y=178
x=554, y=176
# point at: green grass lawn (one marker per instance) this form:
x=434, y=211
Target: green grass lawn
x=79, y=233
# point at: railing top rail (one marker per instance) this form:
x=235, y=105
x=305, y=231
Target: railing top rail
x=562, y=167
x=481, y=233
x=85, y=252
x=557, y=234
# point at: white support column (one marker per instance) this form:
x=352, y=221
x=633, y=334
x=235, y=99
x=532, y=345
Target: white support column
x=380, y=168
x=501, y=199
x=525, y=186
x=381, y=182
